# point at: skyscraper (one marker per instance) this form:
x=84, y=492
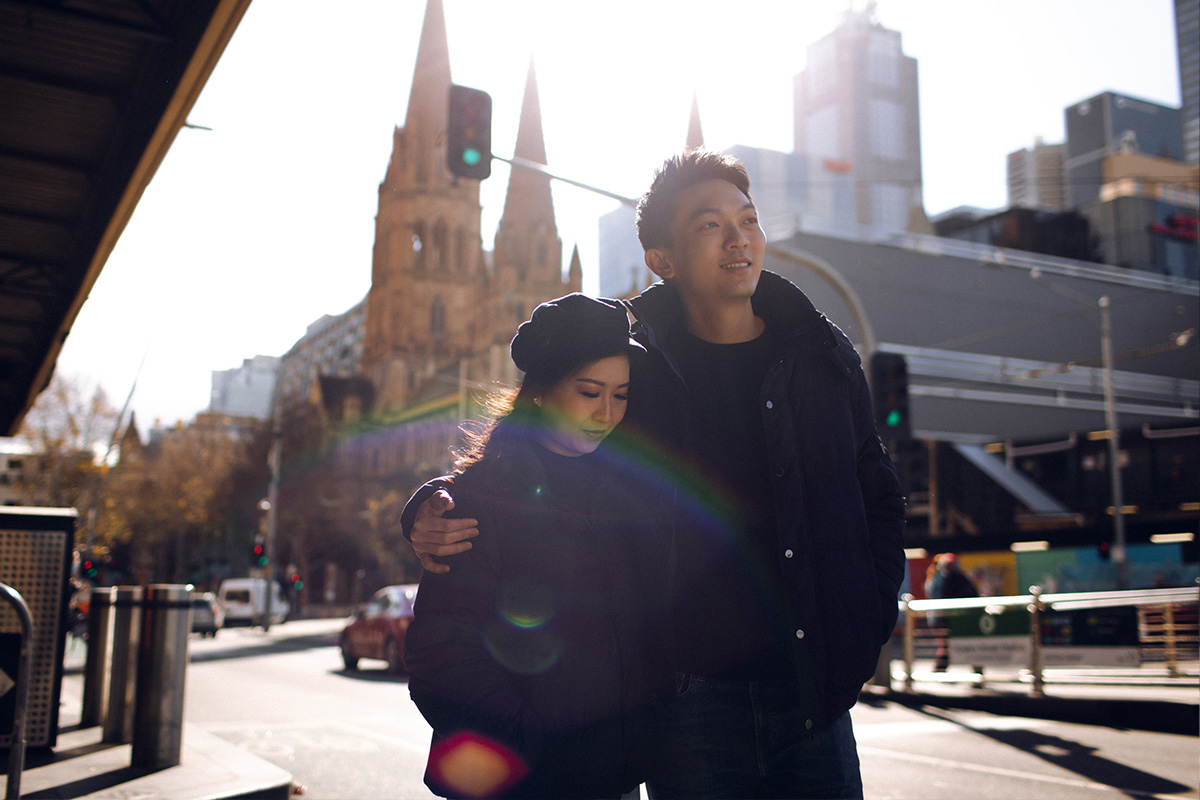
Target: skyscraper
x=1035, y=177
x=1110, y=123
x=1187, y=37
x=857, y=123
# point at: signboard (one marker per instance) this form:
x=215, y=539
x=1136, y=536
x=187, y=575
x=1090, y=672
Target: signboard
x=1000, y=637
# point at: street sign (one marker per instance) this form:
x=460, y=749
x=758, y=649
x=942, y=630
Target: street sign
x=998, y=636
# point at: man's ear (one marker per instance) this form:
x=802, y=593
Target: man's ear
x=656, y=260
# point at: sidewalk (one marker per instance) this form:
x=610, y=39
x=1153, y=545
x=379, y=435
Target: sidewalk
x=1142, y=699
x=82, y=766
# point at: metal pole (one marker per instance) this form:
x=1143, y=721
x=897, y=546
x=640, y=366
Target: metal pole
x=1114, y=442
x=99, y=646
x=118, y=717
x=1035, y=641
x=16, y=752
x=272, y=518
x=910, y=628
x=162, y=670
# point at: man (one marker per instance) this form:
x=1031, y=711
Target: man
x=786, y=541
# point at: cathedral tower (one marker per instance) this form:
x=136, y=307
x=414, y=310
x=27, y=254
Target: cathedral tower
x=528, y=254
x=428, y=260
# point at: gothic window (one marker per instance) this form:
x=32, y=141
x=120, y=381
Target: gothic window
x=437, y=258
x=418, y=246
x=460, y=251
x=437, y=316
x=541, y=254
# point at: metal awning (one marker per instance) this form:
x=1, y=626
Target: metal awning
x=92, y=94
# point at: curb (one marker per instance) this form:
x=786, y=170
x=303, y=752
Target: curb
x=1161, y=716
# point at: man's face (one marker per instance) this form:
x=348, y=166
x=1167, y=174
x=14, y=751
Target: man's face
x=717, y=246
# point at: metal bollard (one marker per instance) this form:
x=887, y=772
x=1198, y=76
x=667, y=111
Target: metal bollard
x=162, y=670
x=126, y=628
x=99, y=645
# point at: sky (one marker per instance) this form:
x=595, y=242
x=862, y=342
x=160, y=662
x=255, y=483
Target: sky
x=261, y=220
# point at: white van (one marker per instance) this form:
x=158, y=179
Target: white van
x=245, y=601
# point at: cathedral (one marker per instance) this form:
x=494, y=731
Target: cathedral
x=431, y=338
x=437, y=299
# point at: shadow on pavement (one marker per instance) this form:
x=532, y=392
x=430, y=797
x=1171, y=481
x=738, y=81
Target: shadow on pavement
x=1078, y=758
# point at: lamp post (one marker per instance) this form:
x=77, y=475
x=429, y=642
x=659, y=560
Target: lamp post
x=1114, y=442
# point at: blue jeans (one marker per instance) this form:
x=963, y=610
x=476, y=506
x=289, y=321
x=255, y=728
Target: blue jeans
x=743, y=739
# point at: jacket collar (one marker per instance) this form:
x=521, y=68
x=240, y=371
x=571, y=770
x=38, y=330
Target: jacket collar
x=790, y=316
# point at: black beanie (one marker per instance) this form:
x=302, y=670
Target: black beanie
x=569, y=332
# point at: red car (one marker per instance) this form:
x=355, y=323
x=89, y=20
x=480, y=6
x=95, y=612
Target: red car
x=377, y=628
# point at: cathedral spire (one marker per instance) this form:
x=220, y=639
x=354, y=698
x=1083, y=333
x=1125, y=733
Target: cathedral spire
x=695, y=136
x=431, y=77
x=528, y=207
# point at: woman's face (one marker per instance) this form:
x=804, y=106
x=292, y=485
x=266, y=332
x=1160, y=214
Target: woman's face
x=582, y=409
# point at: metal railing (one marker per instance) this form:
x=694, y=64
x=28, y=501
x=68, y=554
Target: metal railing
x=1167, y=625
x=16, y=753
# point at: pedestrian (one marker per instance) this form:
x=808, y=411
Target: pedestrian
x=946, y=580
x=787, y=515
x=536, y=658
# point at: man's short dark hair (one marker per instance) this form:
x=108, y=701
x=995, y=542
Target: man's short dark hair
x=657, y=206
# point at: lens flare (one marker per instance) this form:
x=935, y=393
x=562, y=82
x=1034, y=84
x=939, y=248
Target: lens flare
x=469, y=764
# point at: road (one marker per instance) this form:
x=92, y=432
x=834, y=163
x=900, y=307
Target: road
x=285, y=696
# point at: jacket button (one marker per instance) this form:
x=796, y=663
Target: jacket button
x=799, y=634
x=787, y=553
x=808, y=724
x=770, y=404
x=779, y=472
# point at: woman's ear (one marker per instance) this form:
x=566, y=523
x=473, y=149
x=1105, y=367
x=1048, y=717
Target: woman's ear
x=656, y=260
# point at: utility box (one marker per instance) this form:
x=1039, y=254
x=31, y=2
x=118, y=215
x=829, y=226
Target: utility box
x=35, y=559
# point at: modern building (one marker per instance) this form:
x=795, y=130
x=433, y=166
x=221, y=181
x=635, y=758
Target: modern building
x=17, y=465
x=623, y=270
x=1065, y=234
x=1111, y=123
x=1036, y=179
x=333, y=345
x=857, y=123
x=1146, y=215
x=1187, y=39
x=245, y=391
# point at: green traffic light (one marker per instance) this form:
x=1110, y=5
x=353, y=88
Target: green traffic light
x=893, y=418
x=471, y=156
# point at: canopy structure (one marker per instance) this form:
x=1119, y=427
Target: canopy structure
x=92, y=94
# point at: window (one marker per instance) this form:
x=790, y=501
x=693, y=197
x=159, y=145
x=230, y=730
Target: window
x=418, y=246
x=437, y=316
x=887, y=129
x=883, y=58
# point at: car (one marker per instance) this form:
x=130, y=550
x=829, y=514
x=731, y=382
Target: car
x=376, y=631
x=208, y=614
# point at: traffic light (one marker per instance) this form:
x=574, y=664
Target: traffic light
x=469, y=133
x=89, y=568
x=297, y=584
x=258, y=554
x=889, y=393
x=1104, y=551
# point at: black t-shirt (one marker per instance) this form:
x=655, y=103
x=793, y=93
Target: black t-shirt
x=735, y=618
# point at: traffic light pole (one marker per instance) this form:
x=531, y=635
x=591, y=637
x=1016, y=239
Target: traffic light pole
x=272, y=517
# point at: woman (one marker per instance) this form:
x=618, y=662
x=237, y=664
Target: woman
x=535, y=658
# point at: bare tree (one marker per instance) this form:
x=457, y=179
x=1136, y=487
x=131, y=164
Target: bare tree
x=67, y=431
